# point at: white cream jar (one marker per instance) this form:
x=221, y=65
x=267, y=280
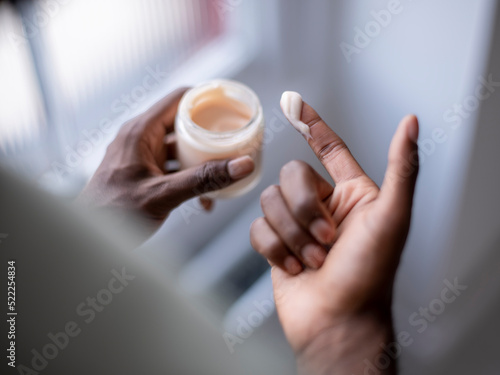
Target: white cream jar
x=220, y=119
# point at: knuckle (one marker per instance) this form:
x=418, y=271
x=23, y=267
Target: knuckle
x=273, y=249
x=302, y=201
x=255, y=232
x=293, y=167
x=204, y=174
x=257, y=227
x=314, y=120
x=211, y=176
x=293, y=235
x=268, y=246
x=269, y=194
x=131, y=133
x=133, y=127
x=304, y=206
x=401, y=167
x=332, y=150
x=126, y=127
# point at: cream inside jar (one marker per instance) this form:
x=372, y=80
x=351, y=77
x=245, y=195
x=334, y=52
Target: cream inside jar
x=220, y=119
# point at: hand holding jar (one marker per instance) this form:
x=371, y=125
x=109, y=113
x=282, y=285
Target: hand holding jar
x=133, y=175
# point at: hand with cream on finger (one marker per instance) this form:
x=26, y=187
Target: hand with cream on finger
x=335, y=249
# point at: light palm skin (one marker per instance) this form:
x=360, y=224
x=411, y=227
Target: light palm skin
x=337, y=310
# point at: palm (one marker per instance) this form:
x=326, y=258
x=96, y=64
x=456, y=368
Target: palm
x=350, y=286
x=351, y=274
x=372, y=226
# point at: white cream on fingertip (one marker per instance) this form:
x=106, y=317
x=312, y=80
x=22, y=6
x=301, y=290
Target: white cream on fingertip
x=291, y=105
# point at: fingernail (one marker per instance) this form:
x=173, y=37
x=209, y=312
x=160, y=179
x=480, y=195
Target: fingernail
x=240, y=167
x=314, y=255
x=292, y=265
x=322, y=231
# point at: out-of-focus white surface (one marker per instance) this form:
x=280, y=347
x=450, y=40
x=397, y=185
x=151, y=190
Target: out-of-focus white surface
x=22, y=118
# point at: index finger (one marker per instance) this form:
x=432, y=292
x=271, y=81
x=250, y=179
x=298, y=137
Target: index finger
x=163, y=112
x=329, y=148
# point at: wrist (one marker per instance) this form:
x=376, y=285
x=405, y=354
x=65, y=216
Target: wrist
x=355, y=346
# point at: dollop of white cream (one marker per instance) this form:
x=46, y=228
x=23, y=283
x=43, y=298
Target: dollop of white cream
x=291, y=105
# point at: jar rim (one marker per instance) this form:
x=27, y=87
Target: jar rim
x=190, y=95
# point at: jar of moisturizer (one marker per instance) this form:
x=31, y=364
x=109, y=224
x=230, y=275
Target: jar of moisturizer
x=220, y=119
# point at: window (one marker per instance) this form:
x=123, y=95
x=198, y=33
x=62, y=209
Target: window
x=74, y=68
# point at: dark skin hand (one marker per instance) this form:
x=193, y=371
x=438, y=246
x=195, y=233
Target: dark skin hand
x=336, y=311
x=334, y=251
x=132, y=176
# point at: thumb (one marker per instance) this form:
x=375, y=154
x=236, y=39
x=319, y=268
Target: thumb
x=396, y=194
x=210, y=176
